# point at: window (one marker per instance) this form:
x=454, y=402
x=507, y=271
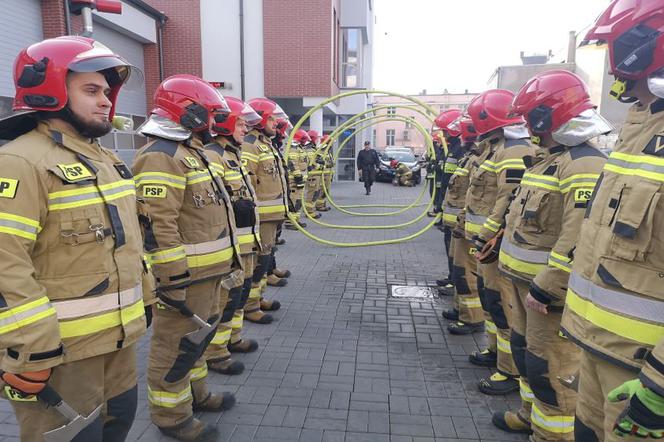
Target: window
x=351, y=63
x=389, y=137
x=335, y=49
x=374, y=137
x=392, y=110
x=409, y=123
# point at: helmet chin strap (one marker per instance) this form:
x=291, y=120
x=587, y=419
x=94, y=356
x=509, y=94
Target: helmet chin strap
x=619, y=88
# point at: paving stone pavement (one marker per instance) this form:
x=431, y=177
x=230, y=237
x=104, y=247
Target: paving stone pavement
x=344, y=361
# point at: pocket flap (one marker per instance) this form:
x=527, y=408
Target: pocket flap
x=635, y=204
x=631, y=276
x=73, y=173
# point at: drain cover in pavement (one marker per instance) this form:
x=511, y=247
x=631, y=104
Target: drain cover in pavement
x=412, y=291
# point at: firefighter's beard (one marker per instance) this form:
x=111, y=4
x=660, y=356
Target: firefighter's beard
x=88, y=128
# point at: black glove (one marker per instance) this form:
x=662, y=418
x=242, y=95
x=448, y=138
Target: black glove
x=175, y=299
x=148, y=316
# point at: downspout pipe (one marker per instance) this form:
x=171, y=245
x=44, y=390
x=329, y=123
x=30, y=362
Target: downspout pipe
x=241, y=4
x=160, y=48
x=67, y=18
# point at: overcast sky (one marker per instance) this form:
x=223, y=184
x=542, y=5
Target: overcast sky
x=457, y=44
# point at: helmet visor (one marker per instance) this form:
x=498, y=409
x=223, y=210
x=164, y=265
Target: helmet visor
x=589, y=124
x=249, y=115
x=279, y=113
x=455, y=126
x=656, y=83
x=116, y=69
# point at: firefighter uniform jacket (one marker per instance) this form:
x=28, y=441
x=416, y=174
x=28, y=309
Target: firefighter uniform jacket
x=455, y=197
x=268, y=176
x=545, y=216
x=70, y=251
x=491, y=185
x=449, y=163
x=226, y=160
x=193, y=234
x=615, y=302
x=316, y=161
x=296, y=170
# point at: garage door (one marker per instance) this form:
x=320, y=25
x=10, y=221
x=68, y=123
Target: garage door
x=20, y=26
x=129, y=102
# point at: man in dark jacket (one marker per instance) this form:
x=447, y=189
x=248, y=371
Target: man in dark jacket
x=367, y=163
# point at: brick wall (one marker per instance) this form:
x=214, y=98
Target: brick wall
x=297, y=48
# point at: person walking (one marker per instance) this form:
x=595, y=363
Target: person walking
x=367, y=163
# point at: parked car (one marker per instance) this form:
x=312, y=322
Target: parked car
x=403, y=155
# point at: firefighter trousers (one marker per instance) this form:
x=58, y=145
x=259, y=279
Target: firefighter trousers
x=470, y=267
x=518, y=344
x=465, y=282
x=312, y=193
x=249, y=264
x=108, y=379
x=321, y=202
x=176, y=367
x=495, y=293
x=268, y=231
x=218, y=351
x=447, y=239
x=595, y=415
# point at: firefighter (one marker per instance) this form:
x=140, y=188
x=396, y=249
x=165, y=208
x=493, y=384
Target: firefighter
x=614, y=303
x=226, y=159
x=403, y=176
x=446, y=163
x=467, y=314
x=71, y=244
x=192, y=246
x=542, y=228
x=314, y=176
x=328, y=173
x=488, y=197
x=298, y=163
x=265, y=166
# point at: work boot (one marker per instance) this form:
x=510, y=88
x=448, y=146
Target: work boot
x=274, y=281
x=258, y=317
x=270, y=305
x=443, y=282
x=315, y=215
x=451, y=314
x=463, y=328
x=192, y=430
x=226, y=366
x=511, y=422
x=243, y=346
x=323, y=209
x=484, y=358
x=215, y=402
x=447, y=290
x=368, y=192
x=431, y=214
x=291, y=226
x=281, y=241
x=498, y=385
x=281, y=273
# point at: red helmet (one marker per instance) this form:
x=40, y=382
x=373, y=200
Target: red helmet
x=313, y=134
x=550, y=99
x=283, y=126
x=468, y=132
x=444, y=119
x=490, y=110
x=191, y=102
x=324, y=139
x=301, y=137
x=437, y=135
x=634, y=32
x=40, y=71
x=266, y=108
x=238, y=110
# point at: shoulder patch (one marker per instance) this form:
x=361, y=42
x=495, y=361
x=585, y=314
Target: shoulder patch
x=75, y=172
x=251, y=139
x=655, y=146
x=191, y=162
x=582, y=195
x=169, y=147
x=8, y=187
x=585, y=150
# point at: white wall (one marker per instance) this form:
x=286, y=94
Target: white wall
x=132, y=22
x=220, y=41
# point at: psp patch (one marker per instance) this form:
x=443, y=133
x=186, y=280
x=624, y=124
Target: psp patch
x=191, y=162
x=154, y=191
x=582, y=195
x=75, y=172
x=8, y=187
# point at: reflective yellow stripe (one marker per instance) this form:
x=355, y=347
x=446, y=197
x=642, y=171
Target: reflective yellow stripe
x=472, y=228
x=25, y=314
x=460, y=171
x=515, y=163
x=255, y=293
x=265, y=157
x=19, y=226
x=450, y=218
x=67, y=199
x=473, y=302
x=542, y=181
x=620, y=325
x=272, y=209
x=94, y=324
x=491, y=225
x=210, y=258
x=525, y=391
x=586, y=180
x=250, y=156
x=221, y=337
x=92, y=305
x=238, y=317
x=552, y=424
x=645, y=166
x=526, y=267
x=176, y=181
x=490, y=327
x=249, y=238
x=198, y=373
x=503, y=344
x=560, y=262
x=198, y=177
x=167, y=399
x=168, y=255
